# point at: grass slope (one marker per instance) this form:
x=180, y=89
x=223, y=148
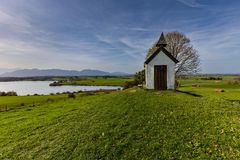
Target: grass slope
x=9, y=103
x=130, y=124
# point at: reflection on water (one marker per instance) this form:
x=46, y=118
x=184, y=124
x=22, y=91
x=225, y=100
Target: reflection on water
x=42, y=87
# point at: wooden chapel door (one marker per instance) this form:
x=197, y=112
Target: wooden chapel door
x=160, y=77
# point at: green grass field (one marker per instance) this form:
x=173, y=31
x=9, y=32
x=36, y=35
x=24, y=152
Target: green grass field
x=230, y=85
x=97, y=81
x=192, y=123
x=9, y=103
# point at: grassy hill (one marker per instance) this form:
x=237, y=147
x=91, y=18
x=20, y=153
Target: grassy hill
x=195, y=122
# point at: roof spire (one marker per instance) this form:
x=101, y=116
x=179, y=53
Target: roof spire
x=162, y=41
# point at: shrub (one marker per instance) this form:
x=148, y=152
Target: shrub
x=129, y=84
x=71, y=95
x=54, y=84
x=10, y=93
x=139, y=77
x=211, y=78
x=2, y=94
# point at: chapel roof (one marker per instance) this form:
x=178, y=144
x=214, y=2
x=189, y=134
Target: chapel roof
x=160, y=46
x=162, y=41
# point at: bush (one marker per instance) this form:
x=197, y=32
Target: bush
x=139, y=77
x=2, y=94
x=54, y=84
x=129, y=84
x=10, y=93
x=71, y=95
x=211, y=78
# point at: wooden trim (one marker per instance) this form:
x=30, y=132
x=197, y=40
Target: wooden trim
x=164, y=51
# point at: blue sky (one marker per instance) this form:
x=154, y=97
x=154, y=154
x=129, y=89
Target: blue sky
x=115, y=35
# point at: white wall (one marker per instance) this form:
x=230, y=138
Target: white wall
x=160, y=59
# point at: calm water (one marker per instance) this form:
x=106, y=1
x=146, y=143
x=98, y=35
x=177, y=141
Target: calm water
x=42, y=87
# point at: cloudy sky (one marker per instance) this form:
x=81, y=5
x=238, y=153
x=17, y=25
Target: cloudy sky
x=114, y=35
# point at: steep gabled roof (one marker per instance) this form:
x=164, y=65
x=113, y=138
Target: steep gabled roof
x=162, y=41
x=164, y=51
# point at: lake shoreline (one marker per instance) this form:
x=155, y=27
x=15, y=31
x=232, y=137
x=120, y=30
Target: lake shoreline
x=60, y=84
x=30, y=88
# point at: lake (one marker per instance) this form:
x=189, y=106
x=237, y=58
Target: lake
x=42, y=87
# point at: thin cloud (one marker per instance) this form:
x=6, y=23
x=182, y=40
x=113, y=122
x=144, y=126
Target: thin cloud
x=191, y=3
x=70, y=37
x=104, y=39
x=141, y=29
x=10, y=20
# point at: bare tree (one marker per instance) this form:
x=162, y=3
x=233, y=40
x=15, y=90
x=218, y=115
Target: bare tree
x=180, y=47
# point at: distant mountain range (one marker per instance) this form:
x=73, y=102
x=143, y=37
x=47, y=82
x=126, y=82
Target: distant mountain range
x=4, y=70
x=59, y=72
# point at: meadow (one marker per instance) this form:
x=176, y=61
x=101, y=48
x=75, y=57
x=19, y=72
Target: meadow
x=11, y=103
x=94, y=81
x=194, y=122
